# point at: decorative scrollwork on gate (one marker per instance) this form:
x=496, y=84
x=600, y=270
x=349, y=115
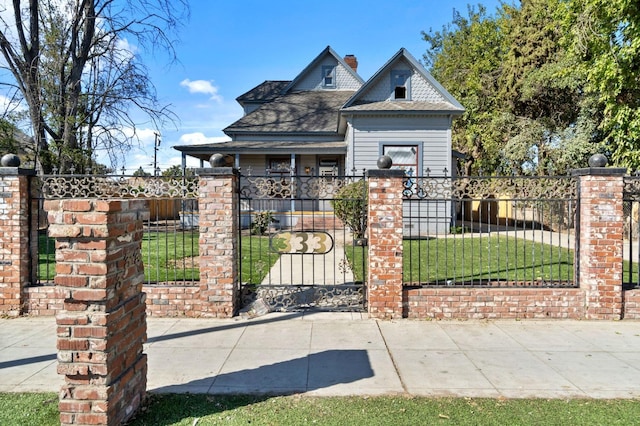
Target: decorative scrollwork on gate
x=348, y=297
x=102, y=187
x=520, y=188
x=287, y=186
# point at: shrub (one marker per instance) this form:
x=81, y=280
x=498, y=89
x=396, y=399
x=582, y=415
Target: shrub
x=350, y=206
x=261, y=222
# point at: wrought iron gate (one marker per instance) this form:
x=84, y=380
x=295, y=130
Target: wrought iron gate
x=295, y=253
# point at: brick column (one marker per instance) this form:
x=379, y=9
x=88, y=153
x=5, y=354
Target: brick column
x=102, y=326
x=15, y=258
x=218, y=204
x=384, y=278
x=600, y=247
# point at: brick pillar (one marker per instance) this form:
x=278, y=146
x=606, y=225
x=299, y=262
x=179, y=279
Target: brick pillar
x=102, y=326
x=384, y=278
x=15, y=258
x=218, y=204
x=600, y=246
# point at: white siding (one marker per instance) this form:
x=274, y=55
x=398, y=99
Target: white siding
x=313, y=79
x=430, y=132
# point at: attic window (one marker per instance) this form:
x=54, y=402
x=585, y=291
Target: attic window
x=400, y=82
x=329, y=76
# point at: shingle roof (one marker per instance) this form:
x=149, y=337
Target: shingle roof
x=417, y=106
x=264, y=92
x=204, y=151
x=295, y=112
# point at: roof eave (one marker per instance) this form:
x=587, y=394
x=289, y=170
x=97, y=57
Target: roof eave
x=348, y=112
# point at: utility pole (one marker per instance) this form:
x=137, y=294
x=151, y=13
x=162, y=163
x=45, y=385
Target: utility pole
x=155, y=152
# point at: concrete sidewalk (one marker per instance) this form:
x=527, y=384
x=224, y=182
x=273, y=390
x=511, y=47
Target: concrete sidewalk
x=346, y=354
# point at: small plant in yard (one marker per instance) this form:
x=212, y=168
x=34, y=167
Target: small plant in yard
x=459, y=229
x=261, y=222
x=350, y=206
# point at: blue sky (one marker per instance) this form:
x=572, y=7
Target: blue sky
x=228, y=47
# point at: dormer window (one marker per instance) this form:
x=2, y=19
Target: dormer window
x=400, y=83
x=329, y=76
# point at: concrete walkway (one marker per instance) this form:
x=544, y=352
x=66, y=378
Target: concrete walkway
x=320, y=269
x=346, y=354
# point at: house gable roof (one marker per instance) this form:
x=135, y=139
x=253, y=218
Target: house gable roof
x=299, y=112
x=311, y=76
x=428, y=96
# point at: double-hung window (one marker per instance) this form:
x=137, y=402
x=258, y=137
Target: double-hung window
x=404, y=157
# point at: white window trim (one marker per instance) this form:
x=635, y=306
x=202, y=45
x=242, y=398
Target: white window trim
x=419, y=153
x=326, y=68
x=407, y=84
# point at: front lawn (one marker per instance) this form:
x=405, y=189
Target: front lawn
x=189, y=409
x=173, y=256
x=469, y=260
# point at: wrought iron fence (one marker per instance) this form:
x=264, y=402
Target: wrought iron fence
x=295, y=252
x=170, y=238
x=631, y=208
x=489, y=231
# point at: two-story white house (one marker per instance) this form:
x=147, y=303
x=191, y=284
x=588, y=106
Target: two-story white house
x=328, y=120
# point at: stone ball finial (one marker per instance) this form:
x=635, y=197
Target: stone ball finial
x=598, y=160
x=217, y=160
x=385, y=162
x=10, y=160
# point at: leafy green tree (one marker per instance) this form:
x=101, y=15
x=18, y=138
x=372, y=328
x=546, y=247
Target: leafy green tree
x=527, y=111
x=604, y=37
x=141, y=173
x=542, y=91
x=177, y=171
x=8, y=143
x=466, y=57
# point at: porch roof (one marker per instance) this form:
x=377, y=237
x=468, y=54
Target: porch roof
x=205, y=151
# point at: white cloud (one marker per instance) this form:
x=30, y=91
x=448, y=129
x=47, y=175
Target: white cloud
x=124, y=45
x=199, y=138
x=202, y=86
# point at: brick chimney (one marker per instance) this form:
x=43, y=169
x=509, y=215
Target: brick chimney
x=352, y=62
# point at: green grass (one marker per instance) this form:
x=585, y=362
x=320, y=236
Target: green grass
x=257, y=259
x=46, y=257
x=630, y=272
x=29, y=409
x=471, y=259
x=170, y=257
x=189, y=409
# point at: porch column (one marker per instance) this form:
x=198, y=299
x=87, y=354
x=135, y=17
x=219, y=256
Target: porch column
x=384, y=277
x=218, y=205
x=15, y=257
x=600, y=247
